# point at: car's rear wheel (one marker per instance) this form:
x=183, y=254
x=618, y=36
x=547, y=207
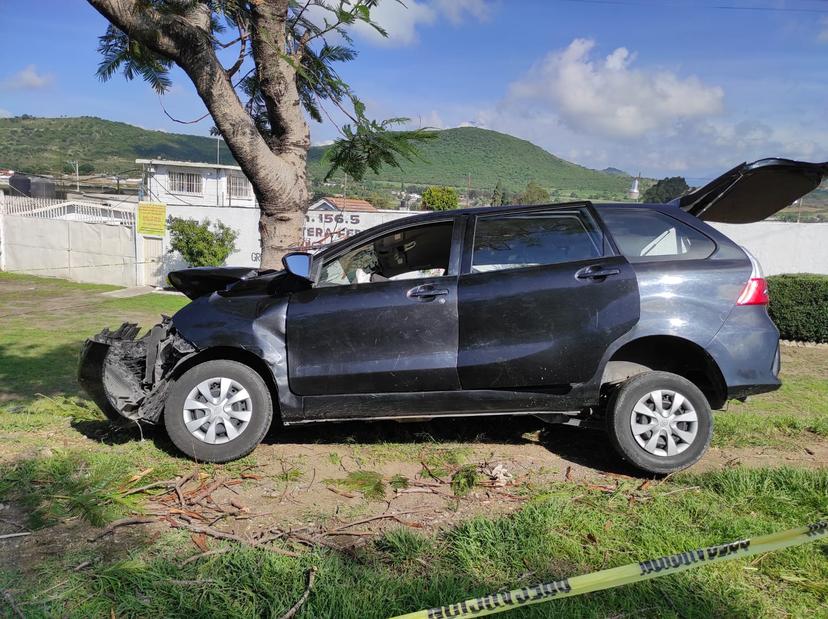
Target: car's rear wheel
x=218, y=411
x=659, y=422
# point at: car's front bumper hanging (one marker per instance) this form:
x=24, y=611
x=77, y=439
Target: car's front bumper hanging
x=127, y=377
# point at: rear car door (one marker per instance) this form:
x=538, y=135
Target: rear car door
x=382, y=316
x=542, y=295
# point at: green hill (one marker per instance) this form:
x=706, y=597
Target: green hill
x=489, y=156
x=44, y=145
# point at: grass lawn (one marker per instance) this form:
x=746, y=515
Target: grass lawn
x=64, y=473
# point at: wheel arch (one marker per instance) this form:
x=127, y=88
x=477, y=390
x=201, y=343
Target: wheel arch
x=667, y=353
x=239, y=355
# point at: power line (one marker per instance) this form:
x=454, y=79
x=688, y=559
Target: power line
x=715, y=7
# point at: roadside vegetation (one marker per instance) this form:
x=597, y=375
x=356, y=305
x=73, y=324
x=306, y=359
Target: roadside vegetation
x=389, y=517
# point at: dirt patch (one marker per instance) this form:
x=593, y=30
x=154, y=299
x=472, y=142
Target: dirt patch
x=295, y=488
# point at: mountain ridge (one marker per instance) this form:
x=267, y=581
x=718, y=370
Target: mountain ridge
x=44, y=145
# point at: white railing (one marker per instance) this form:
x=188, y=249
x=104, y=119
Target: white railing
x=74, y=210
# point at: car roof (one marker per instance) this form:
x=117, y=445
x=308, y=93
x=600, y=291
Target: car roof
x=428, y=216
x=517, y=208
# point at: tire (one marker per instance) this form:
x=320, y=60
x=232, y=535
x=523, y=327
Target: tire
x=232, y=429
x=689, y=427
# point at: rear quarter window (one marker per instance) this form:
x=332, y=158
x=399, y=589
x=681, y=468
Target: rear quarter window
x=647, y=236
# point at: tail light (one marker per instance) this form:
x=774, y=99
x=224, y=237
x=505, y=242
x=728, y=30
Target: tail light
x=755, y=291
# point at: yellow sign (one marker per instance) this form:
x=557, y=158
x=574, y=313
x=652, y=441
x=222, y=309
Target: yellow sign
x=152, y=218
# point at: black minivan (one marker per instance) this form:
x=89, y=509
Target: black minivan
x=638, y=317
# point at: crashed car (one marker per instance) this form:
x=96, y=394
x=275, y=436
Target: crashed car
x=636, y=318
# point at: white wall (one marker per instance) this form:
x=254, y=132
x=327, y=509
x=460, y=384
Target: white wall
x=84, y=252
x=783, y=247
x=245, y=221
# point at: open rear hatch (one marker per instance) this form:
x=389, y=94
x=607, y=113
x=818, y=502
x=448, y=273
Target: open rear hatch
x=753, y=191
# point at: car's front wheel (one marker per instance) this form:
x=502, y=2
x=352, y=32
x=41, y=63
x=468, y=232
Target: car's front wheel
x=218, y=411
x=660, y=422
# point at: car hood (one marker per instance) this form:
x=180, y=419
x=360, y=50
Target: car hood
x=198, y=281
x=753, y=191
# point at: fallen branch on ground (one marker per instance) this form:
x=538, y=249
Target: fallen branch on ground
x=123, y=522
x=201, y=555
x=393, y=515
x=21, y=534
x=301, y=601
x=228, y=536
x=169, y=484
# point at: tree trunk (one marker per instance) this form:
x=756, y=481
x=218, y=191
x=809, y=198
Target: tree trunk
x=275, y=163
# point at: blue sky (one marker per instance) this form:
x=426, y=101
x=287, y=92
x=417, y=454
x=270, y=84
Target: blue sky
x=663, y=87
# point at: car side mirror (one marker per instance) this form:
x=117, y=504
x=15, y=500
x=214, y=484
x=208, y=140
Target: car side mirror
x=299, y=264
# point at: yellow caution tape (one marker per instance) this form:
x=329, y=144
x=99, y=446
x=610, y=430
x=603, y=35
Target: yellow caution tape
x=623, y=575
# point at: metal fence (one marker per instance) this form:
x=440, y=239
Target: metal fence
x=71, y=210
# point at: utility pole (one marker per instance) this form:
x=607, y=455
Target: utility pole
x=218, y=143
x=77, y=179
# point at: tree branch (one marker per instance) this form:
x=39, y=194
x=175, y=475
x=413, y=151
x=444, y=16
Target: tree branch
x=277, y=76
x=141, y=23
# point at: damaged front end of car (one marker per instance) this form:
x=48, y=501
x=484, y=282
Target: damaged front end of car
x=128, y=378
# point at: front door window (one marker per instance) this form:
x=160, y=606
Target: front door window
x=420, y=251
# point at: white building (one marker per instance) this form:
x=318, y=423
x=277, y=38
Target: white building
x=183, y=183
x=200, y=191
x=222, y=193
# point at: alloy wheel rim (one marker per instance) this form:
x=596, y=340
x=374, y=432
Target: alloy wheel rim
x=217, y=410
x=664, y=423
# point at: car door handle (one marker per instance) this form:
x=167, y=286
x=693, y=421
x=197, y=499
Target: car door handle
x=595, y=272
x=426, y=292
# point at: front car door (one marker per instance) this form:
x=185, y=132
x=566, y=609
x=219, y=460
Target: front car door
x=542, y=295
x=382, y=315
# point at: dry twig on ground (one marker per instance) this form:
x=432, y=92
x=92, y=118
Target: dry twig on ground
x=301, y=601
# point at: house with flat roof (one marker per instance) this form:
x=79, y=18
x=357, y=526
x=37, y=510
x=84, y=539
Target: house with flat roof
x=186, y=183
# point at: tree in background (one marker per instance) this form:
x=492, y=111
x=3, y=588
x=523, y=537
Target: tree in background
x=285, y=66
x=200, y=244
x=497, y=195
x=665, y=190
x=533, y=194
x=440, y=199
x=379, y=200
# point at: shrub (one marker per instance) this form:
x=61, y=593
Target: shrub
x=440, y=199
x=799, y=306
x=202, y=244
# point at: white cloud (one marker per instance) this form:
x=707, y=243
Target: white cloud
x=822, y=37
x=28, y=78
x=609, y=97
x=602, y=111
x=5, y=113
x=401, y=21
x=458, y=10
x=432, y=120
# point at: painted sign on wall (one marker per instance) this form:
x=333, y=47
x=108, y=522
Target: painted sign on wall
x=323, y=226
x=152, y=218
